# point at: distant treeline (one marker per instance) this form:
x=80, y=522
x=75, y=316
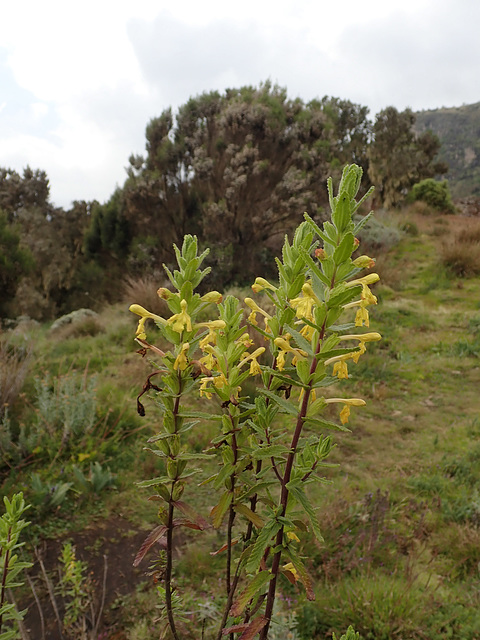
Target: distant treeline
x=237, y=169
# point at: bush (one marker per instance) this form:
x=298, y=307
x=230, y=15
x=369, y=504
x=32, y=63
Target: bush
x=14, y=366
x=434, y=193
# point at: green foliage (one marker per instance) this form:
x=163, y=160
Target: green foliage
x=434, y=193
x=108, y=234
x=98, y=479
x=11, y=526
x=66, y=405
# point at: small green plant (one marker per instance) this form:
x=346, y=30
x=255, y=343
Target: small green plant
x=97, y=480
x=73, y=589
x=47, y=496
x=11, y=526
x=272, y=444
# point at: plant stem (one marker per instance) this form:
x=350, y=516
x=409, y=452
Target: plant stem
x=168, y=572
x=169, y=550
x=285, y=492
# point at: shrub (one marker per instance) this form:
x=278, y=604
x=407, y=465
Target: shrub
x=434, y=193
x=461, y=255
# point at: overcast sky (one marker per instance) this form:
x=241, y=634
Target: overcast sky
x=79, y=81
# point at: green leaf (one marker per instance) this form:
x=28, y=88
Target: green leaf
x=199, y=414
x=344, y=249
x=258, y=582
x=154, y=481
x=317, y=229
x=284, y=404
x=325, y=424
x=218, y=512
x=296, y=489
x=263, y=541
x=270, y=451
x=286, y=379
x=302, y=342
x=246, y=512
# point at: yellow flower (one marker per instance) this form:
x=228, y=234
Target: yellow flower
x=347, y=402
x=345, y=414
x=281, y=360
x=252, y=356
x=181, y=321
x=203, y=388
x=181, y=362
x=251, y=304
x=211, y=336
x=361, y=317
x=361, y=350
x=340, y=369
x=209, y=361
x=289, y=567
x=293, y=536
x=371, y=278
x=303, y=305
x=261, y=283
x=307, y=331
x=372, y=336
x=245, y=340
x=367, y=296
x=284, y=346
x=220, y=381
x=254, y=367
x=144, y=315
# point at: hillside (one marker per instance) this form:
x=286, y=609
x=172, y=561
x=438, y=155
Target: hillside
x=459, y=131
x=400, y=519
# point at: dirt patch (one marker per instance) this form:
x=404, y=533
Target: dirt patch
x=114, y=540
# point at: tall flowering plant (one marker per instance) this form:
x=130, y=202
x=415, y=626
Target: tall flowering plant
x=316, y=326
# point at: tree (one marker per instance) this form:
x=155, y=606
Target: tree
x=398, y=157
x=17, y=192
x=15, y=262
x=238, y=169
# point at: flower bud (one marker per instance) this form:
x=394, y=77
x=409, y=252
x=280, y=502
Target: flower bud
x=165, y=294
x=320, y=254
x=364, y=262
x=212, y=296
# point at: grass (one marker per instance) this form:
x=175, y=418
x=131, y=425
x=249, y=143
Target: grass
x=401, y=519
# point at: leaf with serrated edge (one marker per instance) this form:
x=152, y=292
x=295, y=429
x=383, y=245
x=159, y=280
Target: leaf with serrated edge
x=245, y=511
x=287, y=406
x=299, y=494
x=305, y=578
x=150, y=540
x=262, y=542
x=253, y=628
x=249, y=592
x=190, y=512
